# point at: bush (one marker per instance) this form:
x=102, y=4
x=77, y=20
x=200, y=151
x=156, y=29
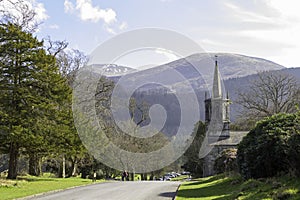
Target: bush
x=226, y=161
x=265, y=151
x=294, y=153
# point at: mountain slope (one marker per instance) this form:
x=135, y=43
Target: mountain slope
x=162, y=84
x=197, y=70
x=111, y=70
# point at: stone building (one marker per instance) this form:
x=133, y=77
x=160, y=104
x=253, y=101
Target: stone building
x=217, y=119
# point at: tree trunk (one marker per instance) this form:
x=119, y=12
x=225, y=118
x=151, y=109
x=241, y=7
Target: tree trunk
x=132, y=176
x=13, y=161
x=144, y=177
x=84, y=173
x=75, y=166
x=151, y=176
x=34, y=165
x=64, y=167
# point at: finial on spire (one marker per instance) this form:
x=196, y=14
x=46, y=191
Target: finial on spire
x=216, y=60
x=217, y=89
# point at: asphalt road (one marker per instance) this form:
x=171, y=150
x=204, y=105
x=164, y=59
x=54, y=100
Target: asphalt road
x=138, y=190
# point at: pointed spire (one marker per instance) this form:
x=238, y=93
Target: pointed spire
x=217, y=90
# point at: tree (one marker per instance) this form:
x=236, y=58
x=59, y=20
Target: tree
x=69, y=61
x=264, y=152
x=193, y=163
x=19, y=13
x=272, y=93
x=31, y=90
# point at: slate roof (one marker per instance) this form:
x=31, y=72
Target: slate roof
x=234, y=139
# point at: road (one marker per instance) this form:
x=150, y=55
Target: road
x=138, y=190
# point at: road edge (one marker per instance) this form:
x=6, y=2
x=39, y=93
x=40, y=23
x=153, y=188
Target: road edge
x=174, y=198
x=54, y=191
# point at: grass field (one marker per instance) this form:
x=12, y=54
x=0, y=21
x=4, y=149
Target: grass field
x=223, y=188
x=28, y=185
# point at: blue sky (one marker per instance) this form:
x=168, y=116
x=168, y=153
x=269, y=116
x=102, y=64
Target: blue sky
x=263, y=28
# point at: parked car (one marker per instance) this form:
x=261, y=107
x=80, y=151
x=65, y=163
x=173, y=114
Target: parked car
x=170, y=175
x=186, y=173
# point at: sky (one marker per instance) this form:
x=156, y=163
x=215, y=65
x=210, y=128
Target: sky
x=267, y=29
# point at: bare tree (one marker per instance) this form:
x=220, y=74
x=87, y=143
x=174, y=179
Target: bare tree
x=18, y=12
x=55, y=47
x=271, y=93
x=68, y=61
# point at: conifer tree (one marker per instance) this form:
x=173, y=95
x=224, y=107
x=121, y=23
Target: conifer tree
x=31, y=93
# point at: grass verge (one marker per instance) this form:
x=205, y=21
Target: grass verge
x=223, y=188
x=29, y=185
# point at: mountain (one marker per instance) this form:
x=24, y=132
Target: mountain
x=236, y=65
x=112, y=70
x=190, y=75
x=197, y=70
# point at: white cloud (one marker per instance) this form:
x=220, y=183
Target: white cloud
x=41, y=13
x=86, y=11
x=169, y=55
x=89, y=13
x=109, y=29
x=244, y=15
x=289, y=9
x=289, y=14
x=68, y=6
x=266, y=27
x=123, y=26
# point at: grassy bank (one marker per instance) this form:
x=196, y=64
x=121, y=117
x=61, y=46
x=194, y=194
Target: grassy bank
x=28, y=185
x=221, y=188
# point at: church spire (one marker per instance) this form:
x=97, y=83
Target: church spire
x=217, y=90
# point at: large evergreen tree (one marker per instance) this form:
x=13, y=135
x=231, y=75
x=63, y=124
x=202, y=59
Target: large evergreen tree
x=31, y=93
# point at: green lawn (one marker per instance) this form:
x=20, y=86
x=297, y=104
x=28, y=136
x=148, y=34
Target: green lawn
x=222, y=188
x=26, y=186
x=180, y=178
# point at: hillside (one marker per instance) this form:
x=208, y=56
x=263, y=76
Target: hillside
x=197, y=69
x=236, y=65
x=112, y=70
x=163, y=82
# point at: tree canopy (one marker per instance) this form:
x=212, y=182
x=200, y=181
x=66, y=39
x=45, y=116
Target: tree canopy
x=32, y=94
x=271, y=147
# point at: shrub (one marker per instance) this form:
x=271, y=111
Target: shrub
x=294, y=153
x=226, y=161
x=265, y=151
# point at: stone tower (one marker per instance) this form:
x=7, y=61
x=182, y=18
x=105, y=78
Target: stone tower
x=217, y=109
x=217, y=121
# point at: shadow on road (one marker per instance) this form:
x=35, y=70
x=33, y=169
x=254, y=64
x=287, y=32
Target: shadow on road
x=168, y=194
